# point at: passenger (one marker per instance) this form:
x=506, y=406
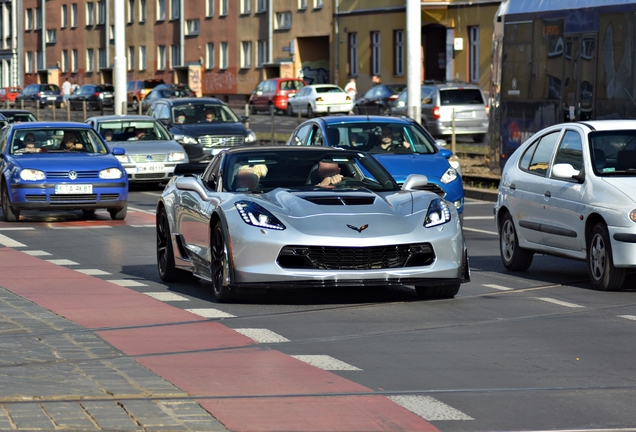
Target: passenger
x=139, y=134
x=70, y=142
x=248, y=176
x=108, y=134
x=180, y=117
x=329, y=174
x=29, y=144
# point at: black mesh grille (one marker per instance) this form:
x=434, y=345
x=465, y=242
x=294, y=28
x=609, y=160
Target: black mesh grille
x=67, y=198
x=150, y=175
x=340, y=200
x=38, y=198
x=355, y=258
x=109, y=197
x=64, y=174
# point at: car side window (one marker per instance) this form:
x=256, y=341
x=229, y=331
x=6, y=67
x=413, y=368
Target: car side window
x=269, y=86
x=570, y=150
x=427, y=97
x=162, y=112
x=315, y=137
x=542, y=154
x=300, y=136
x=210, y=177
x=3, y=140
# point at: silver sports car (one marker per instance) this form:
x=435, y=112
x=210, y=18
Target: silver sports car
x=290, y=217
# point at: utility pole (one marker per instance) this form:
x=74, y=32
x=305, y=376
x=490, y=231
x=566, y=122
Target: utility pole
x=119, y=76
x=413, y=59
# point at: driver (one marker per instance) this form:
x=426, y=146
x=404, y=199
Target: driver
x=329, y=173
x=391, y=142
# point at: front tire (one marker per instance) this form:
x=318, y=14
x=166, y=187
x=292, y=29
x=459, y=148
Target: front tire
x=165, y=254
x=10, y=214
x=310, y=112
x=219, y=270
x=514, y=258
x=289, y=110
x=600, y=262
x=431, y=293
x=252, y=109
x=118, y=214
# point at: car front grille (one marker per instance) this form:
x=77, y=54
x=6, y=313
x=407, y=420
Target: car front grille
x=222, y=141
x=68, y=198
x=356, y=258
x=35, y=198
x=109, y=197
x=141, y=158
x=149, y=176
x=64, y=174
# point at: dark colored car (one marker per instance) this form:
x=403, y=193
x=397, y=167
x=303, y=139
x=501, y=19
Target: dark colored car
x=186, y=119
x=44, y=94
x=18, y=116
x=273, y=94
x=159, y=93
x=96, y=97
x=138, y=89
x=181, y=88
x=378, y=100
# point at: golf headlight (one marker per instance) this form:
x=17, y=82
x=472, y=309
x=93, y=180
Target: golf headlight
x=32, y=175
x=250, y=137
x=449, y=176
x=632, y=215
x=110, y=173
x=185, y=139
x=255, y=215
x=122, y=158
x=438, y=213
x=176, y=156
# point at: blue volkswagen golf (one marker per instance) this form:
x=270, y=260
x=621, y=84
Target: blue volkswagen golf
x=401, y=145
x=59, y=166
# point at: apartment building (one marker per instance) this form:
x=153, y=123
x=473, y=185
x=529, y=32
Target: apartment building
x=9, y=44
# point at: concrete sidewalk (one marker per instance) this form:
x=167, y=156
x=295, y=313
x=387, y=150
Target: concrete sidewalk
x=57, y=375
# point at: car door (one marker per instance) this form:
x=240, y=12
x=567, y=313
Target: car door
x=527, y=183
x=562, y=223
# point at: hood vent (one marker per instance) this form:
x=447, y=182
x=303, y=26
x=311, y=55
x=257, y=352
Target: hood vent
x=334, y=200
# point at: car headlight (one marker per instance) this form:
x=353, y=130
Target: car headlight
x=176, y=156
x=438, y=213
x=250, y=137
x=110, y=173
x=632, y=215
x=449, y=176
x=185, y=139
x=254, y=214
x=122, y=158
x=32, y=175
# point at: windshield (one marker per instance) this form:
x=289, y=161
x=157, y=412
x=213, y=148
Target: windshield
x=19, y=117
x=613, y=152
x=330, y=89
x=202, y=113
x=377, y=137
x=263, y=171
x=133, y=130
x=63, y=140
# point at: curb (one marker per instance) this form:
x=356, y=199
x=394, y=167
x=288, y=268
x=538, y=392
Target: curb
x=481, y=194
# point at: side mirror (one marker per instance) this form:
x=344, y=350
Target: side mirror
x=415, y=181
x=567, y=172
x=244, y=119
x=445, y=152
x=191, y=184
x=440, y=142
x=118, y=151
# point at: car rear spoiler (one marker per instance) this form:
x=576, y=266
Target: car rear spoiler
x=190, y=168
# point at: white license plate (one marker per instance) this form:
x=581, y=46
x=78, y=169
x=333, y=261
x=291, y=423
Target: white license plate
x=150, y=168
x=465, y=114
x=51, y=98
x=74, y=189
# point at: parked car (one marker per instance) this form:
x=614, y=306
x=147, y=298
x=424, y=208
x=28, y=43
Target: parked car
x=60, y=166
x=438, y=102
x=138, y=89
x=320, y=99
x=185, y=119
x=378, y=99
x=183, y=89
x=151, y=153
x=159, y=93
x=8, y=94
x=570, y=191
x=96, y=96
x=17, y=116
x=297, y=232
x=44, y=94
x=272, y=95
x=409, y=149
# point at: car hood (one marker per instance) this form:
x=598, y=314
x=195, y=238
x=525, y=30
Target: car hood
x=400, y=166
x=198, y=129
x=67, y=162
x=145, y=147
x=625, y=185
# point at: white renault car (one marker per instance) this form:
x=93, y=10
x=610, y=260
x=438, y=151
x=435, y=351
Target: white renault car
x=570, y=191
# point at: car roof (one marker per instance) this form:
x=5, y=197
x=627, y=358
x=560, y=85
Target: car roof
x=193, y=100
x=121, y=117
x=14, y=111
x=50, y=125
x=332, y=120
x=279, y=148
x=604, y=125
x=451, y=85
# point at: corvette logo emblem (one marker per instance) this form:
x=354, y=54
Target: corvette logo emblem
x=72, y=175
x=355, y=228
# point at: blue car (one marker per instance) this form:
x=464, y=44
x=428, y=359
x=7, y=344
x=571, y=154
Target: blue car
x=401, y=145
x=59, y=166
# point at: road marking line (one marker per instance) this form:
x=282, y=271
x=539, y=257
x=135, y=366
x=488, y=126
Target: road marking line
x=166, y=296
x=210, y=313
x=497, y=287
x=80, y=227
x=480, y=231
x=470, y=201
x=142, y=211
x=152, y=193
x=429, y=408
x=17, y=229
x=629, y=317
x=559, y=302
x=36, y=253
x=62, y=262
x=479, y=218
x=143, y=226
x=126, y=282
x=261, y=335
x=8, y=242
x=326, y=362
x=93, y=272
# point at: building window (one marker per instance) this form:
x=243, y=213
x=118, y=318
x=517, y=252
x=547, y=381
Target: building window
x=131, y=11
x=192, y=27
x=246, y=54
x=102, y=58
x=473, y=33
x=246, y=7
x=101, y=12
x=209, y=8
x=142, y=58
x=302, y=4
x=90, y=60
x=51, y=36
x=223, y=8
x=90, y=13
x=74, y=15
x=261, y=58
x=64, y=16
x=352, y=53
x=175, y=56
x=375, y=53
x=28, y=19
x=398, y=60
x=209, y=56
x=161, y=57
x=74, y=60
x=223, y=56
x=161, y=10
x=28, y=62
x=283, y=20
x=131, y=58
x=111, y=33
x=319, y=4
x=64, y=61
x=38, y=18
x=175, y=9
x=142, y=11
x=39, y=60
x=261, y=6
